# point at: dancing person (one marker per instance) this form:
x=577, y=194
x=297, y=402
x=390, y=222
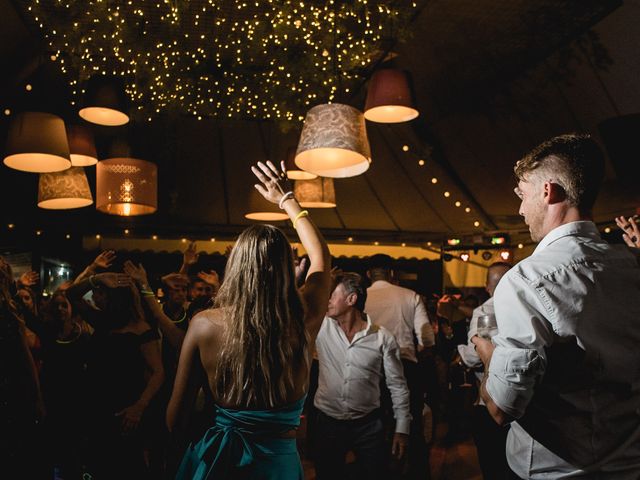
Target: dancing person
x=124, y=373
x=489, y=437
x=563, y=366
x=630, y=230
x=355, y=356
x=255, y=349
x=402, y=312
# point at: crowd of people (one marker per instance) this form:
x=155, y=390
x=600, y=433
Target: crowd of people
x=103, y=380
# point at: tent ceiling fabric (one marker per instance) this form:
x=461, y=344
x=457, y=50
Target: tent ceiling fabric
x=492, y=79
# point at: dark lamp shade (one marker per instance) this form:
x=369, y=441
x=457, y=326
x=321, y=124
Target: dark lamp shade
x=334, y=142
x=126, y=187
x=389, y=97
x=293, y=171
x=317, y=193
x=262, y=210
x=105, y=101
x=82, y=146
x=64, y=190
x=37, y=142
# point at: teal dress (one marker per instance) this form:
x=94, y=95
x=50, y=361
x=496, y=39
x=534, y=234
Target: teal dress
x=244, y=444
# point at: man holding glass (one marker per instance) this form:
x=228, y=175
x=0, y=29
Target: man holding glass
x=564, y=368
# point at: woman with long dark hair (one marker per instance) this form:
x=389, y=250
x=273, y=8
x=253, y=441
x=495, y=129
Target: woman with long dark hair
x=254, y=349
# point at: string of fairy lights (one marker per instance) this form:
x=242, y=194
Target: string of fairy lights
x=267, y=59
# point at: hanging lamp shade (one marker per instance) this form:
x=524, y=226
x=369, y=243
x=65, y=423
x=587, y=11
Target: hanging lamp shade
x=126, y=186
x=316, y=193
x=389, y=97
x=263, y=210
x=293, y=171
x=37, y=142
x=334, y=142
x=82, y=146
x=105, y=101
x=64, y=190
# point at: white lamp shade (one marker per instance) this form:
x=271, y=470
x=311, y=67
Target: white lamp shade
x=389, y=97
x=334, y=142
x=126, y=186
x=317, y=193
x=262, y=210
x=37, y=142
x=82, y=146
x=64, y=190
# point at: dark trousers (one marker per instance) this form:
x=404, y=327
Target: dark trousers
x=490, y=439
x=364, y=437
x=418, y=453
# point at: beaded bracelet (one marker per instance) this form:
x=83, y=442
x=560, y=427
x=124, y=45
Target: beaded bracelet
x=284, y=198
x=303, y=213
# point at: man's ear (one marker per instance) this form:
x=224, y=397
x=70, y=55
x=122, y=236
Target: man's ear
x=369, y=274
x=352, y=298
x=554, y=192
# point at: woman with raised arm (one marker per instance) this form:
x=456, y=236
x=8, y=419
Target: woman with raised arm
x=255, y=349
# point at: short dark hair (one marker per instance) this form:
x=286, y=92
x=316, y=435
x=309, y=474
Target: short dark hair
x=380, y=261
x=577, y=162
x=354, y=283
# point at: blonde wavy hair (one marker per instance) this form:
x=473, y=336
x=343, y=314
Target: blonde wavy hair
x=265, y=338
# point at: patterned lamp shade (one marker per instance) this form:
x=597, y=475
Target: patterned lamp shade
x=334, y=142
x=126, y=186
x=37, y=142
x=389, y=97
x=64, y=190
x=105, y=101
x=293, y=171
x=263, y=210
x=81, y=146
x=317, y=193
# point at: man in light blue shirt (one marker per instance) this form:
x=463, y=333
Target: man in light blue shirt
x=565, y=366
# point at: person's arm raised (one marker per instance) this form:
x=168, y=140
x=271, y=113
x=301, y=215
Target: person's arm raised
x=276, y=189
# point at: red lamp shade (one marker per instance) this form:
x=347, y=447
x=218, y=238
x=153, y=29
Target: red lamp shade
x=389, y=97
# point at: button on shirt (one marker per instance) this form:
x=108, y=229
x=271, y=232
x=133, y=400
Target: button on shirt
x=567, y=358
x=350, y=373
x=402, y=312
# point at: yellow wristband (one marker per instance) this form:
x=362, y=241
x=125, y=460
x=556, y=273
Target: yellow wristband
x=303, y=213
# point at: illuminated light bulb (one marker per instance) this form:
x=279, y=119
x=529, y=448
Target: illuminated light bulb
x=28, y=87
x=184, y=240
x=607, y=230
x=434, y=180
x=476, y=223
x=405, y=148
x=421, y=162
x=7, y=111
x=38, y=232
x=403, y=244
x=10, y=226
x=447, y=194
x=520, y=245
x=126, y=231
x=505, y=255
x=98, y=236
x=350, y=239
x=67, y=236
x=467, y=209
x=126, y=209
x=212, y=240
x=457, y=204
x=464, y=257
x=154, y=237
x=376, y=243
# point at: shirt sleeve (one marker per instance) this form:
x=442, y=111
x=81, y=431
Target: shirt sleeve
x=519, y=360
x=421, y=324
x=467, y=351
x=396, y=382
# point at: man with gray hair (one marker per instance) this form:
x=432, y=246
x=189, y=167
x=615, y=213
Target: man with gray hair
x=354, y=356
x=564, y=367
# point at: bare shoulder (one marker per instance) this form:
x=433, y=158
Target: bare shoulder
x=208, y=323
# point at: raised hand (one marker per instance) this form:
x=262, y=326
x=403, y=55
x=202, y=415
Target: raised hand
x=138, y=274
x=175, y=280
x=113, y=280
x=190, y=256
x=275, y=183
x=211, y=278
x=28, y=279
x=104, y=260
x=631, y=233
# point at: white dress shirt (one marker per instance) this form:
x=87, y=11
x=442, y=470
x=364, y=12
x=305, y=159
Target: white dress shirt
x=567, y=358
x=402, y=312
x=350, y=373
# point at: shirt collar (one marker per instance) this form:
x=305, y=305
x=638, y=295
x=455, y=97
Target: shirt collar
x=380, y=283
x=582, y=228
x=363, y=332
